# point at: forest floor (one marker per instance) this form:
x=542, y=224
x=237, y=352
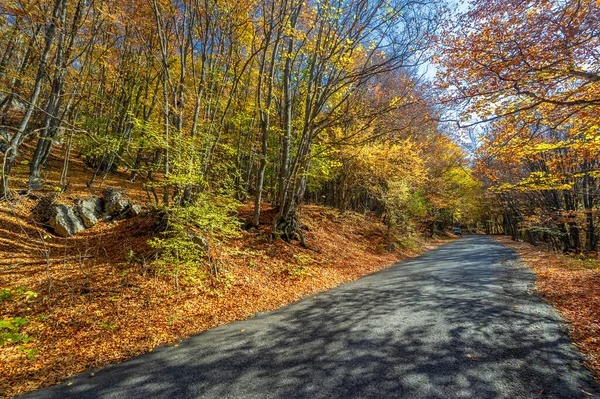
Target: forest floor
x=79, y=303
x=572, y=286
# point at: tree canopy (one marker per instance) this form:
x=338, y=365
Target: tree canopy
x=529, y=69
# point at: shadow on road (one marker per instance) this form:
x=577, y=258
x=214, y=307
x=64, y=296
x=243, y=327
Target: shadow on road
x=458, y=322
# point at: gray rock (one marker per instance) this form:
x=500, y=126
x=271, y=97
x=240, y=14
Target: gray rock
x=65, y=221
x=44, y=209
x=134, y=210
x=90, y=210
x=390, y=247
x=114, y=202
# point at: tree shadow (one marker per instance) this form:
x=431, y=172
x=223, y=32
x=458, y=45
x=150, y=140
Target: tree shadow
x=458, y=322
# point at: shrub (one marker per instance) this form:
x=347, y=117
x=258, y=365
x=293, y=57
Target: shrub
x=188, y=231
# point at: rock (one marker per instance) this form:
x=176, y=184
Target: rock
x=390, y=247
x=90, y=210
x=112, y=197
x=44, y=209
x=133, y=211
x=114, y=202
x=68, y=220
x=125, y=209
x=65, y=221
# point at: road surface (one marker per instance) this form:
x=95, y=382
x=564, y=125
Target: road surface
x=457, y=322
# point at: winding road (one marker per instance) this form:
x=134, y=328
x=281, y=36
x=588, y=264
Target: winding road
x=457, y=322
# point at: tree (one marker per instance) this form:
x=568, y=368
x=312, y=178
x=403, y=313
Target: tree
x=344, y=46
x=505, y=57
x=203, y=100
x=530, y=67
x=16, y=139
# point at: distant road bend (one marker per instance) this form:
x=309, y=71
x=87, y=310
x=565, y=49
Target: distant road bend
x=457, y=322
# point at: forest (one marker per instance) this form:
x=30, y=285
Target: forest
x=220, y=102
x=239, y=120
x=530, y=71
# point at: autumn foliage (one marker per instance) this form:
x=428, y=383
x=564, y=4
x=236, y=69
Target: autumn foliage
x=526, y=72
x=268, y=131
x=571, y=286
x=97, y=298
x=224, y=118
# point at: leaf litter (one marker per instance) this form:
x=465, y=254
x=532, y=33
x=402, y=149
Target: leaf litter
x=572, y=285
x=93, y=306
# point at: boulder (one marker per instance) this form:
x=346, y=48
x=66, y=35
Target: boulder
x=115, y=204
x=134, y=210
x=68, y=220
x=65, y=221
x=44, y=209
x=90, y=210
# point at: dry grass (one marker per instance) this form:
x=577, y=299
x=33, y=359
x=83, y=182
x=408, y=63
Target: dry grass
x=573, y=287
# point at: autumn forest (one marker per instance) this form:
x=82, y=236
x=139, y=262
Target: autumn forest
x=255, y=138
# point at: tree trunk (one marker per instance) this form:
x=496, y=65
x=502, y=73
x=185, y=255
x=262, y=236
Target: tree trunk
x=591, y=239
x=15, y=142
x=285, y=220
x=53, y=120
x=265, y=121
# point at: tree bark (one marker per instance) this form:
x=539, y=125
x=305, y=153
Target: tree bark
x=14, y=144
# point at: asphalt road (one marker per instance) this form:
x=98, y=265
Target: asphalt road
x=457, y=322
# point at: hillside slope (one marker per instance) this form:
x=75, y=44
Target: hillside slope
x=96, y=298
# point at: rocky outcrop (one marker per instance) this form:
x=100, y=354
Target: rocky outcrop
x=90, y=210
x=114, y=202
x=67, y=220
